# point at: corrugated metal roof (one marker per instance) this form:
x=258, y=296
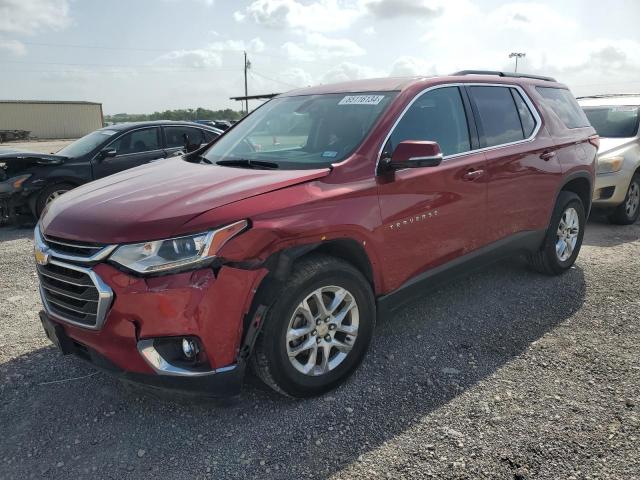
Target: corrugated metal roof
x=55, y=102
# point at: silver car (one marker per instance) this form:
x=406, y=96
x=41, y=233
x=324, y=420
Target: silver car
x=616, y=119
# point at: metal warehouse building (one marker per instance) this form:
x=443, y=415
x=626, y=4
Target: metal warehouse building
x=51, y=119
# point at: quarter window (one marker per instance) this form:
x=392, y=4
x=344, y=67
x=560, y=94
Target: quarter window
x=526, y=118
x=499, y=117
x=562, y=103
x=437, y=115
x=137, y=141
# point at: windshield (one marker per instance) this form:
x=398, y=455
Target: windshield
x=84, y=145
x=614, y=122
x=309, y=131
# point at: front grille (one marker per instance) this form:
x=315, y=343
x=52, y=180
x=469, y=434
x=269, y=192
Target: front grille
x=73, y=294
x=80, y=249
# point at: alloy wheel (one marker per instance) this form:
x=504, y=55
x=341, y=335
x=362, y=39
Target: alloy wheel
x=55, y=194
x=567, y=234
x=633, y=199
x=322, y=330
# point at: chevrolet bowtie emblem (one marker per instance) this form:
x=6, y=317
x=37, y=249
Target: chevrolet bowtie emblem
x=42, y=256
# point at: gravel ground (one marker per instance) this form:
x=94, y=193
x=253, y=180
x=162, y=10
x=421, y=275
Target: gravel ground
x=504, y=374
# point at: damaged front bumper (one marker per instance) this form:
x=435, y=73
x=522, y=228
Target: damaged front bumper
x=146, y=315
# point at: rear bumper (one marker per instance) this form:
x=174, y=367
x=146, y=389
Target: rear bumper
x=211, y=307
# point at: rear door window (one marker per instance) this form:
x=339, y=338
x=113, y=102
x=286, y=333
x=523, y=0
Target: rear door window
x=499, y=118
x=208, y=136
x=437, y=116
x=177, y=136
x=564, y=105
x=138, y=141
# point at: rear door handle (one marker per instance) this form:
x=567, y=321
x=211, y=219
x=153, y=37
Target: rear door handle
x=471, y=175
x=546, y=156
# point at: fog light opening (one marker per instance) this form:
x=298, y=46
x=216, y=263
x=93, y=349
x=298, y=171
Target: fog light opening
x=190, y=348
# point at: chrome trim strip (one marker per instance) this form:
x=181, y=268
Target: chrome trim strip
x=96, y=257
x=66, y=307
x=162, y=367
x=57, y=242
x=105, y=296
x=64, y=294
x=525, y=97
x=48, y=275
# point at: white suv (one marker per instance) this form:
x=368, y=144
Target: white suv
x=616, y=119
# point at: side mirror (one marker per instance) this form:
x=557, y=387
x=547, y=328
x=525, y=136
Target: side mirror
x=415, y=154
x=107, y=153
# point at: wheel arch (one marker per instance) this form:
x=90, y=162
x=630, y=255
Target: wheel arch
x=581, y=184
x=280, y=265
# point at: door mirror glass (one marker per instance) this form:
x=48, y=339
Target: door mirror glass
x=415, y=154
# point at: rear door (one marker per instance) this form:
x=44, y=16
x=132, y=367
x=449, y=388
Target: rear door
x=522, y=165
x=436, y=214
x=134, y=148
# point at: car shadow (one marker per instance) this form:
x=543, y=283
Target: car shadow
x=602, y=233
x=422, y=356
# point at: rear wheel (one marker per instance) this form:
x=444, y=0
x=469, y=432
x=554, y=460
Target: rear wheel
x=563, y=238
x=49, y=194
x=318, y=330
x=628, y=211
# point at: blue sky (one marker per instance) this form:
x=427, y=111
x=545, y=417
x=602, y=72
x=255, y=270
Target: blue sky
x=147, y=55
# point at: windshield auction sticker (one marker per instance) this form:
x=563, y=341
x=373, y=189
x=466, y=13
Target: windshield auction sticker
x=361, y=100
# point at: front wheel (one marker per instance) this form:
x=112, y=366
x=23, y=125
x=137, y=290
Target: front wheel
x=318, y=330
x=49, y=194
x=563, y=238
x=628, y=211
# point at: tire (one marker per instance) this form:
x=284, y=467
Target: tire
x=271, y=360
x=549, y=260
x=628, y=211
x=43, y=198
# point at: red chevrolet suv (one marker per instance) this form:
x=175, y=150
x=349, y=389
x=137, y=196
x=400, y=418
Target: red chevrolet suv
x=278, y=244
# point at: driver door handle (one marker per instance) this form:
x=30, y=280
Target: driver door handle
x=472, y=175
x=546, y=156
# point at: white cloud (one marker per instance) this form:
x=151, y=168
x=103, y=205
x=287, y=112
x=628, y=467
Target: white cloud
x=13, y=46
x=32, y=16
x=346, y=71
x=319, y=47
x=386, y=9
x=408, y=66
x=199, y=58
x=211, y=55
x=320, y=16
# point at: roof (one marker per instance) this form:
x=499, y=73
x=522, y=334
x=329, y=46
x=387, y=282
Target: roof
x=613, y=99
x=389, y=84
x=56, y=102
x=153, y=123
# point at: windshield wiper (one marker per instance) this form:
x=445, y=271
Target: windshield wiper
x=246, y=163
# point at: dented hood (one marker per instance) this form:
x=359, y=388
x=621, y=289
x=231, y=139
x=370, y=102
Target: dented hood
x=156, y=200
x=11, y=157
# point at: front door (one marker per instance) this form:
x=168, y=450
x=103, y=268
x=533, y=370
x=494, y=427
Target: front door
x=435, y=214
x=132, y=149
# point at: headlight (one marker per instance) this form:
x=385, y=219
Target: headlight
x=610, y=164
x=176, y=253
x=16, y=182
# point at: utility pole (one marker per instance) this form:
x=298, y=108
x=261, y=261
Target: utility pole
x=517, y=55
x=247, y=66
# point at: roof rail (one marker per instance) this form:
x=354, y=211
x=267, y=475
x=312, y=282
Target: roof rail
x=609, y=95
x=504, y=74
